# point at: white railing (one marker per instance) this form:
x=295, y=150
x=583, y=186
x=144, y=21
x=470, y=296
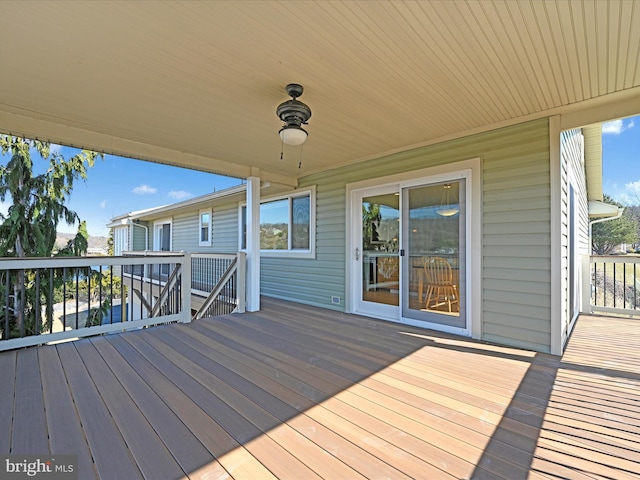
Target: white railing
x=614, y=284
x=45, y=300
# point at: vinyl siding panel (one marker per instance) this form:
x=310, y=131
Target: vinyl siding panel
x=139, y=234
x=225, y=228
x=185, y=230
x=185, y=233
x=573, y=173
x=314, y=281
x=516, y=222
x=516, y=240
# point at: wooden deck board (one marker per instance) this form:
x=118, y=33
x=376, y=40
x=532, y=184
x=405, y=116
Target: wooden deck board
x=145, y=446
x=199, y=412
x=66, y=435
x=200, y=426
x=297, y=392
x=108, y=448
x=237, y=394
x=181, y=442
x=30, y=432
x=7, y=397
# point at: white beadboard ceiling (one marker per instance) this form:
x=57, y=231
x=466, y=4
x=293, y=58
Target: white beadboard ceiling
x=197, y=83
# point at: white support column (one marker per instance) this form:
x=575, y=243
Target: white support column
x=253, y=244
x=559, y=310
x=186, y=288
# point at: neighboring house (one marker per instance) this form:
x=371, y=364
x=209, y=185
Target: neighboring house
x=483, y=202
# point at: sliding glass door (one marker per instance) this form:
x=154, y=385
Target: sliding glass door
x=409, y=252
x=434, y=240
x=377, y=252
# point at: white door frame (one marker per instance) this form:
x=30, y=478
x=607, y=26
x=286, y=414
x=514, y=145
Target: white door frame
x=379, y=310
x=474, y=235
x=156, y=237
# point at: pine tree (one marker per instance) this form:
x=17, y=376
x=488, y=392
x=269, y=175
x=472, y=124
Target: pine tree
x=37, y=206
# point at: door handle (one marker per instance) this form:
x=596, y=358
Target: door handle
x=357, y=254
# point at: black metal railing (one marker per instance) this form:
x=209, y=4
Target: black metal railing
x=208, y=269
x=225, y=296
x=217, y=280
x=615, y=283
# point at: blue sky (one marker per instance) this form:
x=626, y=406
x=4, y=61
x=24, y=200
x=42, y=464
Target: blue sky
x=621, y=160
x=119, y=185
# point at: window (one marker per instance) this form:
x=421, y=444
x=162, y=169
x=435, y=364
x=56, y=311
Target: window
x=287, y=225
x=120, y=240
x=205, y=228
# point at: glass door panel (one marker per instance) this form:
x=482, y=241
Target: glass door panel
x=434, y=239
x=380, y=249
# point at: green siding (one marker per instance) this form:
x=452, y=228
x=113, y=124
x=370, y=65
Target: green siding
x=185, y=233
x=225, y=230
x=139, y=234
x=314, y=281
x=515, y=230
x=572, y=171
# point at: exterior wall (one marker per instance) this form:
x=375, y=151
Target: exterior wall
x=516, y=237
x=120, y=239
x=139, y=234
x=572, y=174
x=185, y=230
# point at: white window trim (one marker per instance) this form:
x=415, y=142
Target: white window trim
x=156, y=243
x=200, y=241
x=290, y=253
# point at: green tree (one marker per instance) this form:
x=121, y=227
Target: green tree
x=605, y=236
x=37, y=206
x=371, y=218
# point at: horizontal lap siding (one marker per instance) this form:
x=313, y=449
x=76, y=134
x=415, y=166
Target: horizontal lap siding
x=225, y=230
x=314, y=281
x=516, y=304
x=185, y=233
x=516, y=289
x=140, y=234
x=572, y=157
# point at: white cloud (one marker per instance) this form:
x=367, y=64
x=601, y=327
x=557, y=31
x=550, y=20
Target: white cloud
x=4, y=208
x=633, y=187
x=103, y=204
x=54, y=149
x=144, y=190
x=179, y=194
x=616, y=127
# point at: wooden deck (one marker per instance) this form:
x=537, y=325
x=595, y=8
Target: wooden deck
x=302, y=393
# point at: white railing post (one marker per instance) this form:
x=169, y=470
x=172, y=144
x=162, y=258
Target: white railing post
x=241, y=273
x=186, y=287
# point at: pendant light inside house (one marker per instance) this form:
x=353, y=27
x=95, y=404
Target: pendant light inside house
x=294, y=114
x=446, y=208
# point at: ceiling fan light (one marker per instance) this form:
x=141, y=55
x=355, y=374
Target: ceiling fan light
x=447, y=212
x=293, y=135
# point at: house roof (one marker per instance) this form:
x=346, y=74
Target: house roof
x=185, y=205
x=196, y=84
x=593, y=161
x=601, y=210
